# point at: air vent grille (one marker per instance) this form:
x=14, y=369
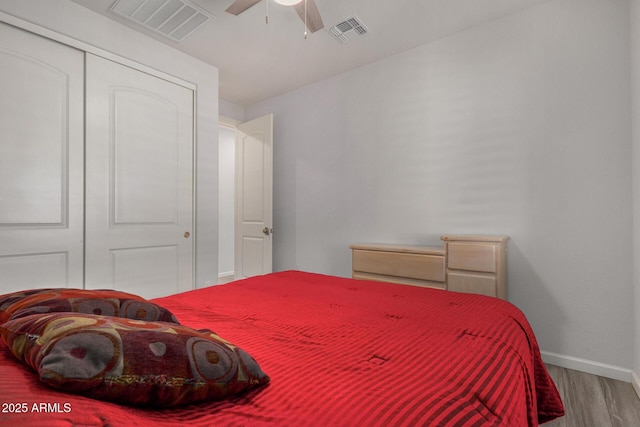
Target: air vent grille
x=360, y=30
x=175, y=19
x=352, y=23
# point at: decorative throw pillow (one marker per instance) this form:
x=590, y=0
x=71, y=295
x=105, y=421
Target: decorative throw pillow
x=7, y=300
x=129, y=361
x=103, y=302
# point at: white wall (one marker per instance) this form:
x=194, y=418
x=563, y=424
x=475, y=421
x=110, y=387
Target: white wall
x=635, y=58
x=227, y=173
x=520, y=126
x=231, y=110
x=81, y=24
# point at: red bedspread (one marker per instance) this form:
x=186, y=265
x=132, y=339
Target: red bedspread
x=339, y=352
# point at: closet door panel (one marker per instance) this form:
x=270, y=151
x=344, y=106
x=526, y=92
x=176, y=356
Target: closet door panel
x=41, y=162
x=139, y=169
x=145, y=192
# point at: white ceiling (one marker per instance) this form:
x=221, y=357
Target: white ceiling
x=258, y=60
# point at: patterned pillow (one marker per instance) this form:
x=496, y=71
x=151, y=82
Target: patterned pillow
x=104, y=302
x=129, y=361
x=7, y=300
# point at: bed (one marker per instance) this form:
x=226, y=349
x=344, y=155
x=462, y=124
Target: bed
x=337, y=352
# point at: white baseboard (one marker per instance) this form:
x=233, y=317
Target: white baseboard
x=590, y=367
x=635, y=381
x=226, y=277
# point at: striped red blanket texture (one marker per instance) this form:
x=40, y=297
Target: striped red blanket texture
x=339, y=352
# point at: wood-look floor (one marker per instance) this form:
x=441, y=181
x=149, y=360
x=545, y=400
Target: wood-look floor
x=593, y=401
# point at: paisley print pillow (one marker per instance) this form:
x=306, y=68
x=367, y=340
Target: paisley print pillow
x=130, y=361
x=102, y=302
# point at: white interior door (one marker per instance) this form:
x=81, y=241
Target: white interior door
x=254, y=197
x=41, y=162
x=139, y=181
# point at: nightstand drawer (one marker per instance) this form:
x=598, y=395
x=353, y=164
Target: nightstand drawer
x=472, y=256
x=473, y=283
x=415, y=266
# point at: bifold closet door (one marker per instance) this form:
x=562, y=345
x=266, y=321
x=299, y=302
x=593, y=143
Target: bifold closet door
x=41, y=162
x=139, y=181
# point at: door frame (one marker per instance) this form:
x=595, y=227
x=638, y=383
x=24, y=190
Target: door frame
x=233, y=124
x=230, y=124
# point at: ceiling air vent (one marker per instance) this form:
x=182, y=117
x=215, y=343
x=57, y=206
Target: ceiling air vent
x=175, y=19
x=350, y=24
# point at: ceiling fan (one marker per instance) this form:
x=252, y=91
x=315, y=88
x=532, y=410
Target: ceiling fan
x=311, y=16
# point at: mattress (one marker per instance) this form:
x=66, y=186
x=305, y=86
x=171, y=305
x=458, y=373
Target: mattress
x=339, y=352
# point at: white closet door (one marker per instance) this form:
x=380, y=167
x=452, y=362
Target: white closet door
x=41, y=162
x=139, y=181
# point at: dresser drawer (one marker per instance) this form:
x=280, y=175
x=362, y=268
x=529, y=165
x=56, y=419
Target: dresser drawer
x=472, y=256
x=415, y=266
x=473, y=283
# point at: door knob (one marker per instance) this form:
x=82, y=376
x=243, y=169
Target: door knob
x=186, y=234
x=267, y=231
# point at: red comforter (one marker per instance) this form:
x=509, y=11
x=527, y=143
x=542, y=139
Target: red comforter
x=339, y=352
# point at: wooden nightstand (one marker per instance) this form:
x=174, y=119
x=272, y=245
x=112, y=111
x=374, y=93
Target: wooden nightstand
x=477, y=264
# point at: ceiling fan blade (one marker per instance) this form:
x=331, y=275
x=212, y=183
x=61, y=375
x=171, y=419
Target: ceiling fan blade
x=239, y=6
x=314, y=20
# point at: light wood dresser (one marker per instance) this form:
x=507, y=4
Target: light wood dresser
x=473, y=264
x=409, y=265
